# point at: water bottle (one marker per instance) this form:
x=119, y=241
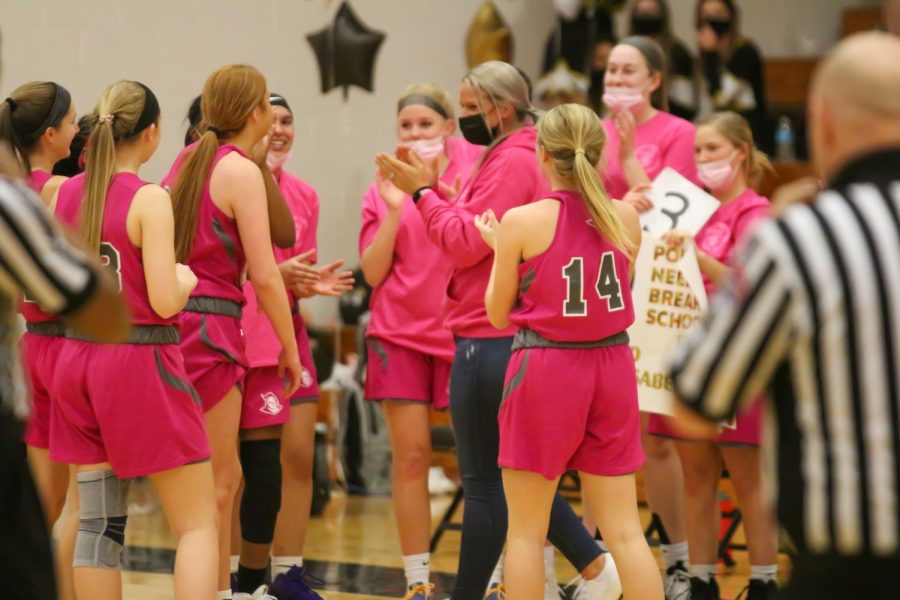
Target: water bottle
x=784, y=140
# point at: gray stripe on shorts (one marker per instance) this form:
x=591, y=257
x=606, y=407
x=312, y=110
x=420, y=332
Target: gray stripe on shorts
x=517, y=379
x=381, y=352
x=204, y=339
x=174, y=380
x=526, y=338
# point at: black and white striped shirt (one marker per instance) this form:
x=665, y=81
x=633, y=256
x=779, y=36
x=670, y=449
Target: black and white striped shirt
x=812, y=312
x=37, y=260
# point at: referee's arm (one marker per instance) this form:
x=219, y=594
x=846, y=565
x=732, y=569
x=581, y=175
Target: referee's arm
x=37, y=259
x=729, y=357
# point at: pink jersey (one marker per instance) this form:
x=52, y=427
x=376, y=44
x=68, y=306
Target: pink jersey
x=217, y=257
x=31, y=312
x=116, y=250
x=577, y=290
x=508, y=177
x=262, y=344
x=406, y=306
x=728, y=226
x=663, y=141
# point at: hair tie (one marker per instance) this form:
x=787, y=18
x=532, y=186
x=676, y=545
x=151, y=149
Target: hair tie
x=579, y=151
x=215, y=130
x=12, y=104
x=106, y=118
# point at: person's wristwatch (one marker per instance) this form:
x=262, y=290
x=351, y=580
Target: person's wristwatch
x=418, y=193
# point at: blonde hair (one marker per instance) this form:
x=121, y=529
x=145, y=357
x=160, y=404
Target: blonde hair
x=573, y=136
x=735, y=128
x=431, y=91
x=229, y=97
x=113, y=121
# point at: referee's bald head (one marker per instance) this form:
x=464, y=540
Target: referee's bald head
x=855, y=100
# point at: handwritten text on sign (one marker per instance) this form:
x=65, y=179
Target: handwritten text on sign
x=668, y=297
x=677, y=204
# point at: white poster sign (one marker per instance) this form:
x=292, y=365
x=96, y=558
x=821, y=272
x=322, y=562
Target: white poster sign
x=677, y=204
x=668, y=297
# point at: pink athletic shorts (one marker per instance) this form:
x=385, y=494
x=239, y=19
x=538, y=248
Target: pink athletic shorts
x=40, y=355
x=398, y=373
x=213, y=349
x=748, y=430
x=567, y=408
x=264, y=402
x=126, y=404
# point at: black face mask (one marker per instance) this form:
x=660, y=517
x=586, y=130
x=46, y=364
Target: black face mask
x=476, y=131
x=649, y=25
x=719, y=26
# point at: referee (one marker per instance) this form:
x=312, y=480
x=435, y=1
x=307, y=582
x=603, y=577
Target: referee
x=36, y=259
x=813, y=314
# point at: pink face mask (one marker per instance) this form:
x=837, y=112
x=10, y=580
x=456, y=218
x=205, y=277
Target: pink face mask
x=717, y=174
x=427, y=150
x=276, y=161
x=621, y=99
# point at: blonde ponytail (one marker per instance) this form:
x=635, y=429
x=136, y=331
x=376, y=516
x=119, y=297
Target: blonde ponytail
x=574, y=137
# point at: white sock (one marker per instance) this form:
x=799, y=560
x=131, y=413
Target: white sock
x=417, y=568
x=223, y=595
x=549, y=568
x=497, y=575
x=764, y=573
x=675, y=553
x=705, y=573
x=283, y=564
x=235, y=560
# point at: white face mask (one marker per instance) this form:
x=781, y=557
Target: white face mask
x=621, y=99
x=276, y=161
x=427, y=149
x=717, y=174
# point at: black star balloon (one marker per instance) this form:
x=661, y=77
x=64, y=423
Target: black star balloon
x=346, y=52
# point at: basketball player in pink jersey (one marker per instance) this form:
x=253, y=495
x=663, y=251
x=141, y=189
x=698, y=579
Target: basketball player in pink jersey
x=497, y=113
x=642, y=140
x=288, y=420
x=222, y=225
x=409, y=349
x=38, y=121
x=728, y=165
x=561, y=275
x=127, y=410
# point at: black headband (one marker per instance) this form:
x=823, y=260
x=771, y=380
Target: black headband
x=278, y=100
x=149, y=114
x=61, y=102
x=422, y=100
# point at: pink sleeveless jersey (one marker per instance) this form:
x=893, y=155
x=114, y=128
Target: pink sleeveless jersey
x=262, y=344
x=116, y=250
x=217, y=256
x=406, y=307
x=577, y=290
x=31, y=312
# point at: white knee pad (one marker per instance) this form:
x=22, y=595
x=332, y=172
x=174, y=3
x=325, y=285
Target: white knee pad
x=104, y=511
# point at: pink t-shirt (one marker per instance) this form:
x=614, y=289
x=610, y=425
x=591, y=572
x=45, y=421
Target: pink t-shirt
x=663, y=141
x=728, y=226
x=508, y=177
x=407, y=306
x=262, y=345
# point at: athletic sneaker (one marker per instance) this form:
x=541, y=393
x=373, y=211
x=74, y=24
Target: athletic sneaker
x=295, y=585
x=704, y=590
x=605, y=586
x=496, y=592
x=551, y=585
x=420, y=591
x=677, y=582
x=759, y=590
x=259, y=594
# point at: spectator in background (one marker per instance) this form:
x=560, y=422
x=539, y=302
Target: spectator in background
x=562, y=85
x=578, y=28
x=732, y=68
x=599, y=58
x=891, y=16
x=652, y=18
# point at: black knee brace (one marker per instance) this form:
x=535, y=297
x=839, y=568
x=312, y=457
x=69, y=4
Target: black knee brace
x=261, y=462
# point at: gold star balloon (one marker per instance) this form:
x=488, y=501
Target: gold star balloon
x=489, y=37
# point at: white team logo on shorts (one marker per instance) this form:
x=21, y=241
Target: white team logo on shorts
x=306, y=379
x=271, y=404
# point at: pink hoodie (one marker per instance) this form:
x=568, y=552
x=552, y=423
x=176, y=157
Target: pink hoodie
x=508, y=177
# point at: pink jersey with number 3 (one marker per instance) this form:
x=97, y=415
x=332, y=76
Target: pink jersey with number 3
x=577, y=290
